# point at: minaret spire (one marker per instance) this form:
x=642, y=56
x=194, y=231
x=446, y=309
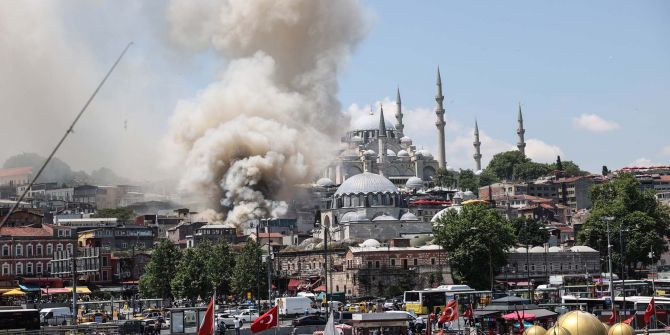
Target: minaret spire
x=399, y=126
x=520, y=133
x=478, y=155
x=439, y=111
x=382, y=123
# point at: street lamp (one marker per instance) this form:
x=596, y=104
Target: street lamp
x=607, y=220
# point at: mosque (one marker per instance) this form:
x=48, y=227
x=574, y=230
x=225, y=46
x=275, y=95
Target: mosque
x=378, y=160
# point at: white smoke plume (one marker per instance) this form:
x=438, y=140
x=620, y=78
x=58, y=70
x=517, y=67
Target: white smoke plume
x=272, y=118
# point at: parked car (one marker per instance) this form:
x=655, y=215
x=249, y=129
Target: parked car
x=309, y=320
x=129, y=327
x=97, y=317
x=247, y=315
x=228, y=320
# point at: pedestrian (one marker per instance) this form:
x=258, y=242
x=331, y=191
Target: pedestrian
x=222, y=327
x=237, y=325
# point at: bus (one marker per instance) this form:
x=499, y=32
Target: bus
x=422, y=302
x=19, y=319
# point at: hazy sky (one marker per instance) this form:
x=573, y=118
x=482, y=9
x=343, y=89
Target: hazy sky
x=593, y=78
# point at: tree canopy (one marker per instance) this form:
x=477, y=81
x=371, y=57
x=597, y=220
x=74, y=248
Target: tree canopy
x=502, y=164
x=468, y=180
x=513, y=165
x=245, y=279
x=476, y=239
x=529, y=231
x=644, y=223
x=163, y=265
x=445, y=178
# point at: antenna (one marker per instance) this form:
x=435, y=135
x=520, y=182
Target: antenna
x=67, y=132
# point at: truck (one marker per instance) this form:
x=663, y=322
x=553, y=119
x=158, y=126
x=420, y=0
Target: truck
x=295, y=305
x=55, y=316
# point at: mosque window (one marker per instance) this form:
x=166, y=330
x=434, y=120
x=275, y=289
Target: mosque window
x=347, y=201
x=354, y=201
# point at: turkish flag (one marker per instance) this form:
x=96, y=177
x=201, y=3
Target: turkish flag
x=265, y=321
x=450, y=312
x=468, y=312
x=629, y=320
x=612, y=319
x=207, y=326
x=650, y=311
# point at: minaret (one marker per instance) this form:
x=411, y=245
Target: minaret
x=520, y=132
x=478, y=155
x=439, y=111
x=398, y=116
x=381, y=140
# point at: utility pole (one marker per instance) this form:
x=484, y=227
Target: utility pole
x=325, y=253
x=258, y=267
x=73, y=257
x=530, y=288
x=623, y=271
x=267, y=230
x=607, y=220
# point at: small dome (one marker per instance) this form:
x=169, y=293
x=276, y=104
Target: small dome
x=468, y=195
x=557, y=330
x=384, y=218
x=458, y=195
x=424, y=153
x=554, y=249
x=369, y=153
x=409, y=217
x=371, y=243
x=581, y=323
x=535, y=330
x=620, y=329
x=521, y=250
x=607, y=327
x=356, y=138
x=536, y=250
x=325, y=182
x=349, y=216
x=370, y=122
x=405, y=140
x=390, y=153
x=582, y=248
x=403, y=153
x=365, y=183
x=414, y=183
x=439, y=214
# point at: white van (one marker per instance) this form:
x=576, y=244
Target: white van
x=55, y=316
x=295, y=305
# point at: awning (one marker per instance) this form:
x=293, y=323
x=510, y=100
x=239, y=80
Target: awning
x=293, y=284
x=7, y=289
x=321, y=288
x=14, y=292
x=519, y=315
x=65, y=290
x=80, y=290
x=29, y=287
x=112, y=289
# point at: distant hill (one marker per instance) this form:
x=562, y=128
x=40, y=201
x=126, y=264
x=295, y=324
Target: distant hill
x=60, y=172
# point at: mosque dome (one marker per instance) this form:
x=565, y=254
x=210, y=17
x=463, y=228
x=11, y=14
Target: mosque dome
x=409, y=217
x=384, y=217
x=442, y=212
x=403, y=153
x=369, y=153
x=414, y=183
x=535, y=330
x=353, y=217
x=521, y=250
x=458, y=195
x=554, y=249
x=365, y=183
x=406, y=140
x=425, y=153
x=370, y=122
x=467, y=195
x=620, y=329
x=581, y=323
x=607, y=327
x=371, y=243
x=390, y=153
x=325, y=182
x=557, y=330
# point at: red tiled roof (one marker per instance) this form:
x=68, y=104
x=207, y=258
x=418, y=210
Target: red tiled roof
x=43, y=231
x=265, y=235
x=16, y=171
x=665, y=177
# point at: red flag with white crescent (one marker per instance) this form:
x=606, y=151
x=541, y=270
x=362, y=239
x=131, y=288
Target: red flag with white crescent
x=265, y=321
x=450, y=312
x=650, y=311
x=207, y=326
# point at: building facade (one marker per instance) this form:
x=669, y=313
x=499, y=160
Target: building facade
x=27, y=251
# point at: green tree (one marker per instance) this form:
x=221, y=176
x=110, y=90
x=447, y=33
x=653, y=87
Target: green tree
x=219, y=265
x=643, y=221
x=245, y=277
x=559, y=164
x=467, y=180
x=445, y=178
x=121, y=214
x=163, y=265
x=570, y=169
x=191, y=280
x=530, y=170
x=529, y=231
x=502, y=164
x=487, y=177
x=606, y=171
x=477, y=238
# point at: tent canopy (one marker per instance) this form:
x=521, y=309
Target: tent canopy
x=14, y=292
x=522, y=314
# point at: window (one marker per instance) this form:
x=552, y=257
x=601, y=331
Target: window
x=19, y=268
x=38, y=268
x=369, y=264
x=50, y=249
x=69, y=248
x=104, y=275
x=377, y=264
x=49, y=267
x=124, y=245
x=5, y=250
x=29, y=268
x=29, y=250
x=104, y=261
x=19, y=250
x=393, y=262
x=5, y=269
x=404, y=263
x=416, y=261
x=432, y=261
x=337, y=288
x=59, y=247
